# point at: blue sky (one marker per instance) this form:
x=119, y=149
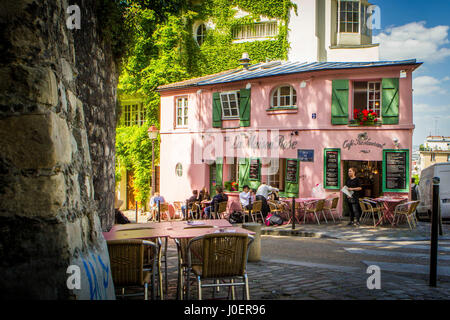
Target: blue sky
x=421, y=30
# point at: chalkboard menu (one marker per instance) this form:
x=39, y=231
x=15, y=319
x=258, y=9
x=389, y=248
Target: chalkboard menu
x=254, y=169
x=291, y=171
x=332, y=166
x=396, y=170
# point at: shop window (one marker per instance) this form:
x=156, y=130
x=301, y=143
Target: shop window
x=134, y=115
x=275, y=176
x=200, y=34
x=179, y=170
x=255, y=30
x=182, y=112
x=367, y=96
x=284, y=96
x=230, y=104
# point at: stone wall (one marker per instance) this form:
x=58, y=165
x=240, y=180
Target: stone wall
x=57, y=129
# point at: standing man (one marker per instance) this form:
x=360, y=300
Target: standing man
x=413, y=189
x=263, y=194
x=154, y=204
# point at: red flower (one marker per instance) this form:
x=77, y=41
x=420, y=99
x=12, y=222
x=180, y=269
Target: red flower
x=365, y=112
x=361, y=123
x=375, y=120
x=374, y=114
x=370, y=111
x=364, y=119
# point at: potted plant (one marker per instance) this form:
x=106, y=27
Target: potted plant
x=365, y=117
x=227, y=185
x=234, y=186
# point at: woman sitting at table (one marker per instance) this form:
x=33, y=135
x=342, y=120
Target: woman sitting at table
x=353, y=184
x=204, y=195
x=219, y=197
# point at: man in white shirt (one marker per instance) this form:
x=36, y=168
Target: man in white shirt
x=244, y=197
x=263, y=194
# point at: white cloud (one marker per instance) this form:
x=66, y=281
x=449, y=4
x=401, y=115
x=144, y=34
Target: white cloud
x=428, y=111
x=414, y=40
x=426, y=85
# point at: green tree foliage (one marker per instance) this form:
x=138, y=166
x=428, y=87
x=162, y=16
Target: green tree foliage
x=161, y=49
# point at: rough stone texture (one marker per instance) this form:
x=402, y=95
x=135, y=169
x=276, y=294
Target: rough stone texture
x=57, y=118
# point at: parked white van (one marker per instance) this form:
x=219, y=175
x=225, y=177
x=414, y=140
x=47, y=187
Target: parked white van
x=425, y=190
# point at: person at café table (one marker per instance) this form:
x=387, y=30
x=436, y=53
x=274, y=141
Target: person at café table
x=204, y=195
x=263, y=194
x=154, y=204
x=190, y=201
x=353, y=184
x=219, y=197
x=245, y=197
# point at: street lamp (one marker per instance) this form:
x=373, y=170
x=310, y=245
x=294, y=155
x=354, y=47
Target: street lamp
x=153, y=134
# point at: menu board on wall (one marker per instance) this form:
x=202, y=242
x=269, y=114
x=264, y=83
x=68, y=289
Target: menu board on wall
x=331, y=169
x=291, y=171
x=396, y=166
x=254, y=169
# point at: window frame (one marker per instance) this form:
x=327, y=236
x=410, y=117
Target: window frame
x=368, y=100
x=256, y=30
x=347, y=22
x=236, y=94
x=184, y=112
x=179, y=169
x=292, y=95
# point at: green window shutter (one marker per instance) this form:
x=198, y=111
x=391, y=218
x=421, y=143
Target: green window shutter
x=255, y=182
x=217, y=110
x=339, y=102
x=390, y=100
x=244, y=169
x=219, y=171
x=244, y=107
x=291, y=185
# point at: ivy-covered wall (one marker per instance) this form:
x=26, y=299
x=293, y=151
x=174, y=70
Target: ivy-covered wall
x=164, y=50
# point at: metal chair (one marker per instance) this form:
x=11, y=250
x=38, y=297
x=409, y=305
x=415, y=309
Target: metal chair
x=407, y=210
x=369, y=208
x=332, y=207
x=220, y=210
x=317, y=208
x=195, y=211
x=164, y=209
x=256, y=208
x=224, y=257
x=178, y=212
x=135, y=263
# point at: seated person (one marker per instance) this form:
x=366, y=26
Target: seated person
x=244, y=198
x=219, y=197
x=204, y=195
x=154, y=204
x=190, y=201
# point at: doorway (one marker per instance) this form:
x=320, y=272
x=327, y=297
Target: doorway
x=370, y=174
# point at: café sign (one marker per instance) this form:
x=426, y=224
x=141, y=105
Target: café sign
x=362, y=140
x=256, y=142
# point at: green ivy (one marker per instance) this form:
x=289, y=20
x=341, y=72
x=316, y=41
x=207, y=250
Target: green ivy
x=163, y=50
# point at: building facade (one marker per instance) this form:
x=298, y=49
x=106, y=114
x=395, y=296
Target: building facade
x=436, y=149
x=291, y=125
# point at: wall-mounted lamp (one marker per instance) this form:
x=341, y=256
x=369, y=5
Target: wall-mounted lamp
x=248, y=86
x=403, y=74
x=199, y=91
x=396, y=143
x=294, y=133
x=303, y=84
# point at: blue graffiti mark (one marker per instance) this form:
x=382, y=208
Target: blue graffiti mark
x=105, y=274
x=97, y=290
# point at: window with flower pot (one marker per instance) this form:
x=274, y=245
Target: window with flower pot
x=367, y=96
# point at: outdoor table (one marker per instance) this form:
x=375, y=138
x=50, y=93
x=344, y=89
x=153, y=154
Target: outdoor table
x=302, y=202
x=389, y=204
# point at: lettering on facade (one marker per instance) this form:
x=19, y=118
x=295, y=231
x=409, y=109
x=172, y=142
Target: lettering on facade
x=362, y=140
x=254, y=143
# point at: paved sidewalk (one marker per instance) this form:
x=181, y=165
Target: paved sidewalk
x=340, y=230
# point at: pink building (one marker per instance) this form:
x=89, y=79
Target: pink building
x=290, y=124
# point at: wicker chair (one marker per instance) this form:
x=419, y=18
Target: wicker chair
x=224, y=257
x=195, y=211
x=369, y=208
x=315, y=207
x=135, y=263
x=220, y=211
x=407, y=210
x=178, y=212
x=332, y=207
x=164, y=211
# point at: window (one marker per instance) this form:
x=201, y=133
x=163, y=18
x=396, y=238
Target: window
x=134, y=115
x=230, y=104
x=284, y=96
x=179, y=170
x=367, y=95
x=255, y=30
x=275, y=178
x=348, y=16
x=182, y=112
x=200, y=34
x=433, y=157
